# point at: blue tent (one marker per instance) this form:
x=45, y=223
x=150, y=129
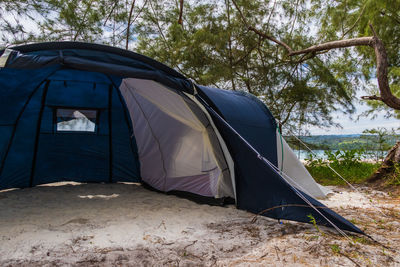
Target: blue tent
x=92, y=113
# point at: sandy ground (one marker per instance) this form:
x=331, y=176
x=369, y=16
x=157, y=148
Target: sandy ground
x=127, y=225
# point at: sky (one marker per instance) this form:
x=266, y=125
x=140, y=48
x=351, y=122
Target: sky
x=356, y=127
x=352, y=125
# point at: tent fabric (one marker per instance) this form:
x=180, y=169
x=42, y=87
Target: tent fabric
x=96, y=52
x=20, y=100
x=218, y=141
x=292, y=167
x=152, y=125
x=35, y=153
x=267, y=189
x=4, y=57
x=260, y=130
x=247, y=116
x=181, y=158
x=99, y=58
x=85, y=157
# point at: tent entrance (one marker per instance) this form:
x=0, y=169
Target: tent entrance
x=177, y=146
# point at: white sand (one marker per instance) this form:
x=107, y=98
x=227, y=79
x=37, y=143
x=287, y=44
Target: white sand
x=125, y=224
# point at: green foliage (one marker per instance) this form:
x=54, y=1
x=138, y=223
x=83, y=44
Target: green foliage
x=335, y=248
x=345, y=157
x=351, y=18
x=369, y=142
x=348, y=163
x=394, y=178
x=313, y=161
x=379, y=137
x=102, y=21
x=212, y=47
x=314, y=222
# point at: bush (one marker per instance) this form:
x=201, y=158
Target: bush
x=394, y=178
x=348, y=163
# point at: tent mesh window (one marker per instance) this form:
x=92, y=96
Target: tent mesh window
x=76, y=120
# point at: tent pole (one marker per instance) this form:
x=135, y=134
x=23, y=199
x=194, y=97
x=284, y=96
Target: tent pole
x=39, y=123
x=110, y=156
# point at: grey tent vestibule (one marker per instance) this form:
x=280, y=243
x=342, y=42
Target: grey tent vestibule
x=93, y=113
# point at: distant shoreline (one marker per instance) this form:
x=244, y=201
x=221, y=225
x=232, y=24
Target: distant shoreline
x=372, y=143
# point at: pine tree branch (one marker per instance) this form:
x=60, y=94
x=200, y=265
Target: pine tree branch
x=110, y=13
x=83, y=21
x=386, y=97
x=372, y=97
x=258, y=32
x=228, y=15
x=180, y=20
x=361, y=41
x=271, y=13
x=288, y=113
x=355, y=22
x=271, y=38
x=128, y=30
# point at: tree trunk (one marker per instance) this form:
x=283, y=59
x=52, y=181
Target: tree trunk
x=387, y=166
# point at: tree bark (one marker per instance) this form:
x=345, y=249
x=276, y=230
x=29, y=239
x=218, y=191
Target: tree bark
x=180, y=19
x=335, y=44
x=382, y=75
x=128, y=30
x=387, y=166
